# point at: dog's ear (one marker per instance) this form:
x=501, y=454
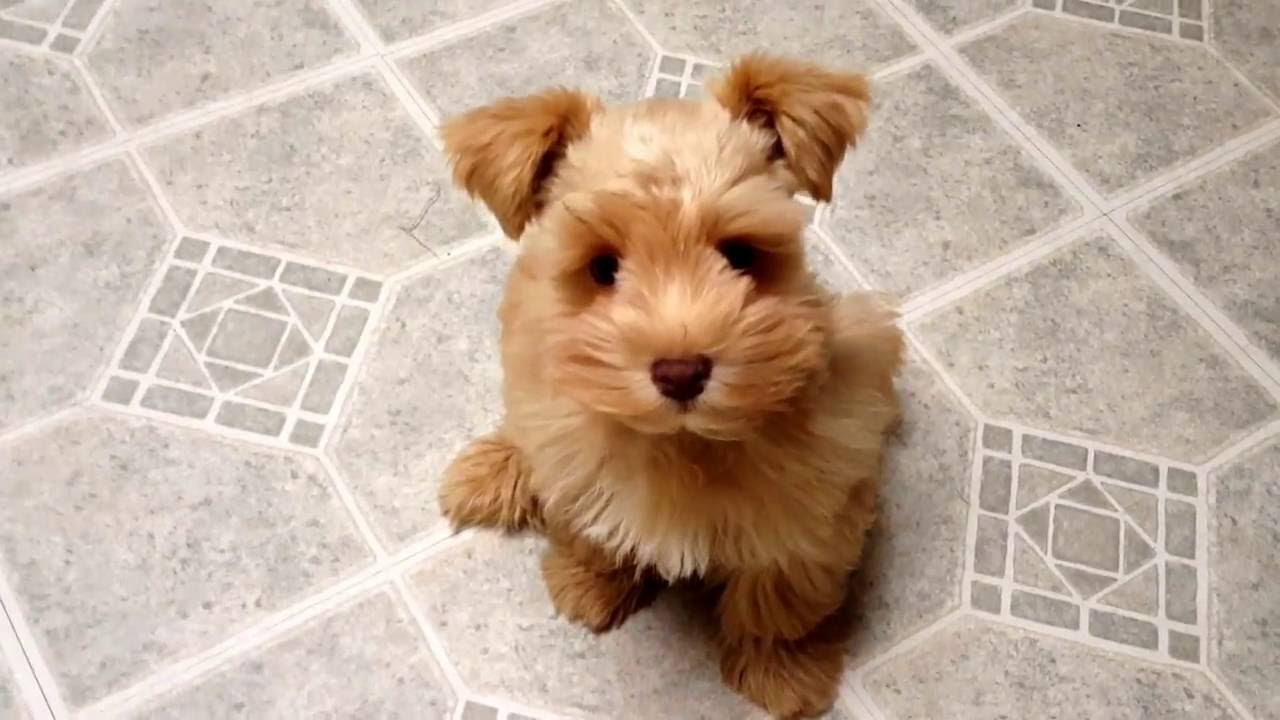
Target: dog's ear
x=505, y=152
x=815, y=113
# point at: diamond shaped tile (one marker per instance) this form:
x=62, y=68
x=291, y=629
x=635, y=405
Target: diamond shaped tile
x=853, y=34
x=1062, y=344
x=983, y=670
x=155, y=57
x=1245, y=531
x=1131, y=106
x=339, y=173
x=508, y=642
x=1086, y=538
x=308, y=672
x=247, y=338
x=129, y=544
x=911, y=576
x=47, y=110
x=1220, y=231
x=936, y=188
x=584, y=44
x=69, y=285
x=1245, y=32
x=426, y=390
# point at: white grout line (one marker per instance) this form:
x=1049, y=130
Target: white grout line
x=466, y=28
x=639, y=27
x=1243, y=446
x=349, y=501
x=29, y=652
x=989, y=26
x=1228, y=694
x=14, y=663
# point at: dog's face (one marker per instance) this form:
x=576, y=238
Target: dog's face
x=664, y=240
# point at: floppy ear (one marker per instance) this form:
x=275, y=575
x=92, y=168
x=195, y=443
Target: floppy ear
x=815, y=113
x=505, y=152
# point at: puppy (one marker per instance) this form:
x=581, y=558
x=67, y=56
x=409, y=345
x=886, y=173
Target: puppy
x=683, y=400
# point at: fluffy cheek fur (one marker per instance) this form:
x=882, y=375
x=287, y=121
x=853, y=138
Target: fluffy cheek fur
x=765, y=350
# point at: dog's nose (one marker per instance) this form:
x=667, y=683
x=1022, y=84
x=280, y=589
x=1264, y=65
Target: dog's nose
x=681, y=379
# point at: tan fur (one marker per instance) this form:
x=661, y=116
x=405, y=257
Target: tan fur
x=764, y=486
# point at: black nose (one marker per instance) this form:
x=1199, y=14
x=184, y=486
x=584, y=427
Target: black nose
x=681, y=379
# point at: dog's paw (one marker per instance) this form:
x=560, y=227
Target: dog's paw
x=486, y=486
x=600, y=600
x=784, y=679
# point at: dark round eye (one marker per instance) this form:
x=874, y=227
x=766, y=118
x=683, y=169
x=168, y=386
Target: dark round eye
x=604, y=269
x=740, y=255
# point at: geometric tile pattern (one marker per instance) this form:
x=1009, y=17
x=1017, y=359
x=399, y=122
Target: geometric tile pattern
x=58, y=25
x=1179, y=18
x=1090, y=542
x=680, y=77
x=245, y=341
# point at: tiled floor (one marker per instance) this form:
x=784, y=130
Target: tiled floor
x=244, y=322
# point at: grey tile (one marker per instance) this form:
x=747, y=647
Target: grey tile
x=672, y=65
x=822, y=262
x=365, y=290
x=245, y=262
x=306, y=433
x=1091, y=10
x=313, y=278
x=997, y=485
x=1065, y=343
x=1045, y=4
x=172, y=291
x=176, y=401
x=991, y=546
x=1244, y=533
x=155, y=542
x=347, y=330
x=507, y=641
x=1140, y=594
x=1055, y=452
x=581, y=44
x=144, y=346
x=1036, y=482
x=981, y=670
x=1131, y=107
x=1180, y=528
x=1220, y=231
x=47, y=110
x=1084, y=583
x=323, y=388
x=1137, y=551
x=247, y=338
x=853, y=34
x=1190, y=9
x=1127, y=469
x=154, y=58
x=70, y=286
x=1035, y=523
x=935, y=188
x=1030, y=570
x=337, y=173
x=65, y=44
x=1191, y=31
x=666, y=88
x=1244, y=31
x=1182, y=482
x=308, y=673
x=21, y=32
x=1087, y=538
x=1123, y=629
x=11, y=702
x=397, y=20
x=81, y=14
x=1044, y=609
x=985, y=597
x=425, y=390
x=1143, y=21
x=476, y=711
x=1161, y=7
x=912, y=568
x=952, y=15
x=120, y=390
x=1087, y=492
x=1184, y=647
x=997, y=438
x=250, y=418
x=1141, y=507
x=1180, y=587
x=191, y=250
x=41, y=11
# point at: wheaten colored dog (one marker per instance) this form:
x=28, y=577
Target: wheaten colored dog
x=683, y=401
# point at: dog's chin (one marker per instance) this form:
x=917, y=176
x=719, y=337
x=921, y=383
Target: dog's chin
x=699, y=418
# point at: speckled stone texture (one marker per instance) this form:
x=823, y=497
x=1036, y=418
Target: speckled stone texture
x=247, y=319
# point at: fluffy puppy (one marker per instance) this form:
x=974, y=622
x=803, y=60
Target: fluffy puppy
x=683, y=400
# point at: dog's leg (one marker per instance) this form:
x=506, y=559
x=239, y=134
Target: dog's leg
x=487, y=484
x=784, y=638
x=591, y=588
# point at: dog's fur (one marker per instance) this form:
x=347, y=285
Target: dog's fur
x=764, y=486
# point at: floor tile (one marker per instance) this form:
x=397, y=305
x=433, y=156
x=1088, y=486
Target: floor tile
x=70, y=285
x=980, y=670
x=340, y=173
x=1244, y=531
x=506, y=641
x=911, y=573
x=403, y=19
x=1065, y=344
x=42, y=11
x=854, y=34
x=936, y=188
x=308, y=673
x=11, y=702
x=952, y=15
x=130, y=545
x=1084, y=541
x=1132, y=105
x=430, y=384
x=155, y=57
x=47, y=111
x=1221, y=233
x=582, y=44
x=243, y=340
x=1245, y=32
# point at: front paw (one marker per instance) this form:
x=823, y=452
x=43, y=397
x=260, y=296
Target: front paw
x=788, y=679
x=486, y=485
x=599, y=599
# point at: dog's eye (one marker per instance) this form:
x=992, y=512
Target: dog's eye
x=740, y=255
x=604, y=269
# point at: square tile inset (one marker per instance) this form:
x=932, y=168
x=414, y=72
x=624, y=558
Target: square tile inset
x=1077, y=548
x=246, y=341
